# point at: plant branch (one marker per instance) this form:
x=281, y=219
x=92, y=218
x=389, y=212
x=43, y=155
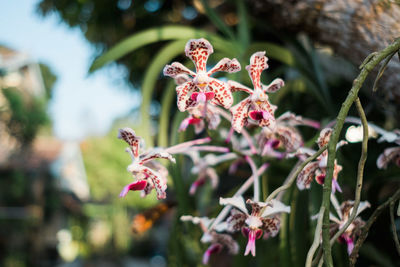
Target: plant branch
x=395, y=237
x=367, y=226
x=360, y=171
x=351, y=97
x=317, y=238
x=256, y=184
x=295, y=174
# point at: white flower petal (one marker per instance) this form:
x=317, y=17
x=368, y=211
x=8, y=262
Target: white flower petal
x=277, y=207
x=237, y=202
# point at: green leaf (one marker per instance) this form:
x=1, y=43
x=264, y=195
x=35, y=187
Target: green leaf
x=163, y=57
x=274, y=51
x=381, y=71
x=243, y=26
x=217, y=21
x=154, y=35
x=166, y=104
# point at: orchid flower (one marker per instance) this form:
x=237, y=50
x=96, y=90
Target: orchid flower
x=353, y=230
x=202, y=86
x=318, y=167
x=146, y=178
x=218, y=241
x=198, y=114
x=256, y=105
x=203, y=167
x=263, y=219
x=391, y=154
x=283, y=135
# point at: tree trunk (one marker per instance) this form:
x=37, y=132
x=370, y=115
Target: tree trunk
x=353, y=28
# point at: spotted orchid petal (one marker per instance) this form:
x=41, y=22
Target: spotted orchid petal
x=176, y=69
x=129, y=136
x=274, y=86
x=258, y=63
x=236, y=220
x=181, y=79
x=239, y=114
x=183, y=95
x=324, y=137
x=223, y=96
x=227, y=65
x=235, y=87
x=198, y=50
x=268, y=118
x=237, y=202
x=289, y=137
x=156, y=154
x=389, y=154
x=135, y=186
x=159, y=182
x=306, y=176
x=271, y=226
x=275, y=207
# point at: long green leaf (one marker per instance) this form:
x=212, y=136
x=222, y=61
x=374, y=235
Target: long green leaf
x=243, y=26
x=217, y=21
x=169, y=52
x=166, y=104
x=154, y=35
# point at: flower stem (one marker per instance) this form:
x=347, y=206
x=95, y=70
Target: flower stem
x=351, y=97
x=256, y=178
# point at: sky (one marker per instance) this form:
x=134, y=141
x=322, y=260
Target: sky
x=82, y=104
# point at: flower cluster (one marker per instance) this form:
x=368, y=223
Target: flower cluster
x=253, y=132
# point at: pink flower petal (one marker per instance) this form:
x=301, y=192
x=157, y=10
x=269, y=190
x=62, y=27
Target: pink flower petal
x=256, y=115
x=251, y=244
x=195, y=185
x=214, y=248
x=184, y=124
x=336, y=186
x=198, y=50
x=138, y=185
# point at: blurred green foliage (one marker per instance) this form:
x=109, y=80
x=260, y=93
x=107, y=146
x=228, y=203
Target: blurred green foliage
x=25, y=115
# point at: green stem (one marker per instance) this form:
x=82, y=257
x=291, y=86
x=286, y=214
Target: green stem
x=368, y=224
x=351, y=97
x=360, y=172
x=295, y=174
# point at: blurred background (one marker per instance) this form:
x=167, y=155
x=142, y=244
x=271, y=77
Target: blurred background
x=73, y=72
